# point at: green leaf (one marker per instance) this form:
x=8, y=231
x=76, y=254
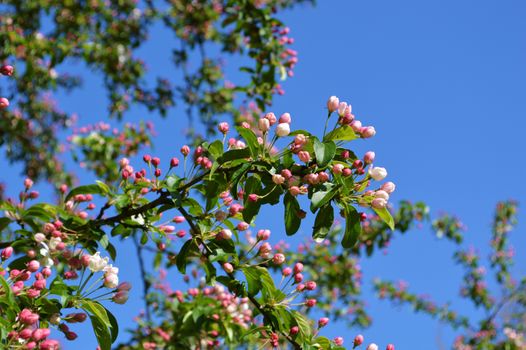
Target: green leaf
x=234, y=154
x=182, y=257
x=343, y=133
x=251, y=140
x=101, y=332
x=292, y=208
x=324, y=152
x=114, y=326
x=95, y=308
x=353, y=228
x=88, y=189
x=252, y=275
x=4, y=222
x=386, y=216
x=323, y=196
x=323, y=222
x=216, y=149
x=303, y=325
x=103, y=187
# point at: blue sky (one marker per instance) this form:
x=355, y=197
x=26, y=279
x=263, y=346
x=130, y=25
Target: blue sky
x=443, y=82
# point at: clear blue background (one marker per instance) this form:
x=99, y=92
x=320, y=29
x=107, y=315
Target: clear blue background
x=443, y=82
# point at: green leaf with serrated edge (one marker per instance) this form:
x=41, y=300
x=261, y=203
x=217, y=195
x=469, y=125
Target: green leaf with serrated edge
x=386, y=216
x=253, y=277
x=292, y=208
x=343, y=133
x=87, y=189
x=353, y=228
x=323, y=222
x=324, y=152
x=251, y=140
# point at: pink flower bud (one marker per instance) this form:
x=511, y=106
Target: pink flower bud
x=71, y=335
x=310, y=302
x=33, y=265
x=333, y=103
x=294, y=330
x=49, y=344
x=278, y=179
x=310, y=285
x=337, y=168
x=294, y=190
x=225, y=234
x=228, y=267
x=264, y=250
x=300, y=139
x=223, y=127
x=356, y=125
x=25, y=333
x=388, y=187
x=381, y=194
x=124, y=162
x=4, y=102
x=298, y=267
x=147, y=158
x=253, y=197
x=263, y=125
x=322, y=322
x=285, y=118
x=390, y=347
x=287, y=271
x=378, y=173
x=358, y=340
x=368, y=131
x=120, y=297
x=46, y=272
x=174, y=162
x=379, y=203
x=41, y=333
x=242, y=226
x=278, y=259
x=28, y=183
x=346, y=172
x=124, y=286
x=6, y=253
x=179, y=219
x=271, y=117
x=304, y=156
x=372, y=346
x=283, y=129
x=286, y=173
x=298, y=277
x=368, y=158
x=185, y=150
x=323, y=177
x=263, y=235
x=6, y=70
x=27, y=317
x=338, y=341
